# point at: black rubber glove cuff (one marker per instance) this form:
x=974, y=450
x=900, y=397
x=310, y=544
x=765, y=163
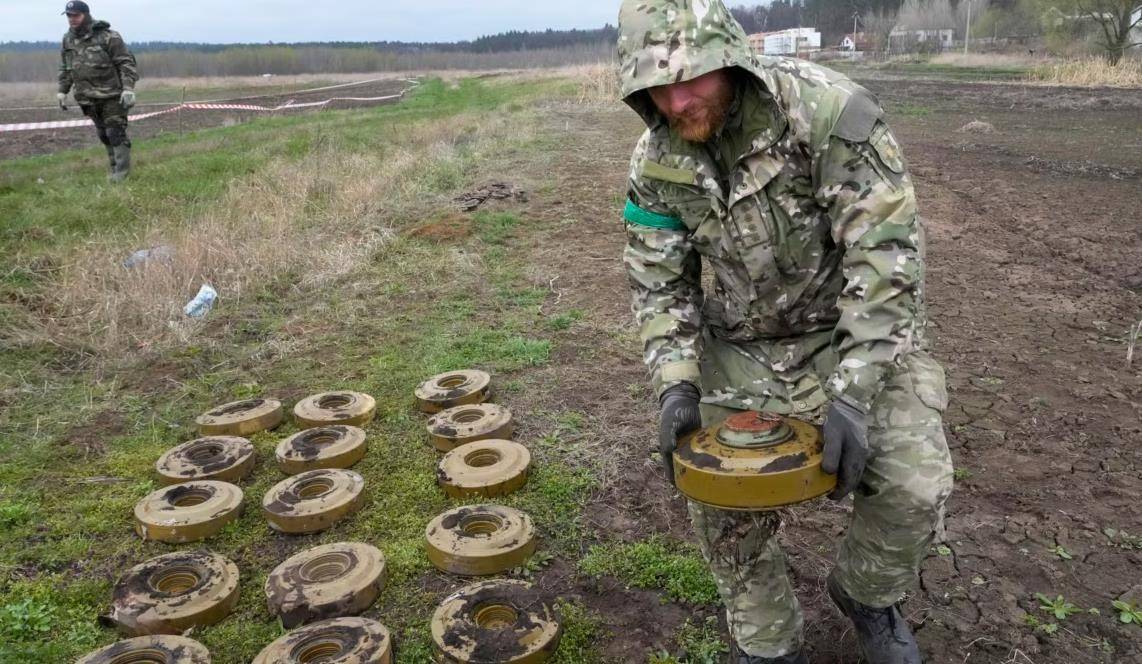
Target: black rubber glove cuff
x=679, y=416
x=846, y=447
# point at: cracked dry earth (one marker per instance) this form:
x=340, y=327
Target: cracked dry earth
x=1035, y=276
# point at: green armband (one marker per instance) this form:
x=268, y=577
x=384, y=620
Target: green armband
x=635, y=215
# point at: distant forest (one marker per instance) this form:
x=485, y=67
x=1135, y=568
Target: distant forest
x=39, y=61
x=514, y=40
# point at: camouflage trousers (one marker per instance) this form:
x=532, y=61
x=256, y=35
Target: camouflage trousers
x=896, y=510
x=110, y=120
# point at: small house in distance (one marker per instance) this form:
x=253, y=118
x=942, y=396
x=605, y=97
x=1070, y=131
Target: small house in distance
x=855, y=42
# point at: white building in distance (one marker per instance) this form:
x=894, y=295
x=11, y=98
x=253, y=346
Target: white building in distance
x=786, y=42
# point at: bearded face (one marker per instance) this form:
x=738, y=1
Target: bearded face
x=696, y=109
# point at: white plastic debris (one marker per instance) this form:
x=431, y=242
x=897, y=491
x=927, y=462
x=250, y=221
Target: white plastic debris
x=202, y=303
x=162, y=253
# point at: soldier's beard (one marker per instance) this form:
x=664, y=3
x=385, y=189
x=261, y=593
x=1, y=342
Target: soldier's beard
x=700, y=122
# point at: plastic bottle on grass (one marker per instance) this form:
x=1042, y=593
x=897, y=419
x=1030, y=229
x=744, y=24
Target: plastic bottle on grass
x=202, y=303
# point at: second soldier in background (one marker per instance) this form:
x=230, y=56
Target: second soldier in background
x=99, y=69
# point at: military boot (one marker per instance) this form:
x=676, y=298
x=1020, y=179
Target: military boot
x=111, y=156
x=884, y=634
x=740, y=657
x=122, y=166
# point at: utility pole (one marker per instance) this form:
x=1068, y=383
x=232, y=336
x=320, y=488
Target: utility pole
x=855, y=15
x=967, y=30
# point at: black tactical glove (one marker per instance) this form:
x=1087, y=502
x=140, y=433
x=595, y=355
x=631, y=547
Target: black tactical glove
x=679, y=417
x=846, y=447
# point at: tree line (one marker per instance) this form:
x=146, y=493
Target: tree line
x=34, y=61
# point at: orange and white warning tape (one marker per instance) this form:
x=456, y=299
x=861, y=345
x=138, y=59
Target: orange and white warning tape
x=193, y=106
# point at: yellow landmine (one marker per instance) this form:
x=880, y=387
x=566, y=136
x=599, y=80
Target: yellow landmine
x=241, y=418
x=331, y=581
x=173, y=593
x=337, y=641
x=188, y=512
x=457, y=426
x=496, y=622
x=477, y=540
x=313, y=501
x=329, y=408
x=455, y=388
x=320, y=448
x=150, y=649
x=752, y=461
x=485, y=468
x=222, y=458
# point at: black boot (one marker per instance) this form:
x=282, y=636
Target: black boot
x=739, y=657
x=122, y=166
x=884, y=634
x=111, y=156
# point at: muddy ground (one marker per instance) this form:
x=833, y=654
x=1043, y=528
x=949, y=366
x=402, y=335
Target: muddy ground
x=1034, y=277
x=47, y=141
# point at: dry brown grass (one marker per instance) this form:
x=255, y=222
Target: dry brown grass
x=316, y=221
x=598, y=83
x=989, y=60
x=1094, y=72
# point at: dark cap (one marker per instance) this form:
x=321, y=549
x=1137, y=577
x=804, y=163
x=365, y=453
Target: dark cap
x=76, y=7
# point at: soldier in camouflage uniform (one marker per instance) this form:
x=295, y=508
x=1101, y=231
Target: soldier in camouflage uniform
x=97, y=66
x=784, y=177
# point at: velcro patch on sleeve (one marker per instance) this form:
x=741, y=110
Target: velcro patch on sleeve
x=656, y=171
x=633, y=214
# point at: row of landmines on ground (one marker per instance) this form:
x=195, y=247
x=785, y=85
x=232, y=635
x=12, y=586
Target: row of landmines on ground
x=320, y=591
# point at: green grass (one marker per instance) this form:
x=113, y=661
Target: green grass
x=911, y=111
x=698, y=643
x=495, y=227
x=175, y=180
x=78, y=439
x=654, y=563
x=959, y=73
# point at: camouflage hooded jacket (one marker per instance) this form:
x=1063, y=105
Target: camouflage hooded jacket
x=812, y=232
x=96, y=62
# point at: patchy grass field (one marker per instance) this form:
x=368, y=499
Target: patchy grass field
x=343, y=263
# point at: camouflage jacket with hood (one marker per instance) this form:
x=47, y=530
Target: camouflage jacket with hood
x=810, y=226
x=96, y=63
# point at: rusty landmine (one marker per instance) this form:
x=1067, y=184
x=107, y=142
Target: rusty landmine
x=496, y=622
x=752, y=461
x=330, y=581
x=479, y=540
x=314, y=500
x=485, y=468
x=329, y=408
x=455, y=388
x=187, y=512
x=222, y=458
x=173, y=593
x=321, y=448
x=337, y=641
x=241, y=418
x=151, y=650
x=457, y=426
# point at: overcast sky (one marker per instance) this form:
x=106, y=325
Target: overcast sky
x=227, y=21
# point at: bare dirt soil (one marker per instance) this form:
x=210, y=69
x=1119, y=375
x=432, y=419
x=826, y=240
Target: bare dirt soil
x=47, y=141
x=1034, y=277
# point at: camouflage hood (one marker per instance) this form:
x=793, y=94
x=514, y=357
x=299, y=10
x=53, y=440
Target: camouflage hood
x=669, y=41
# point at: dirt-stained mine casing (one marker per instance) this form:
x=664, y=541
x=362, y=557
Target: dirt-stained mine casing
x=752, y=461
